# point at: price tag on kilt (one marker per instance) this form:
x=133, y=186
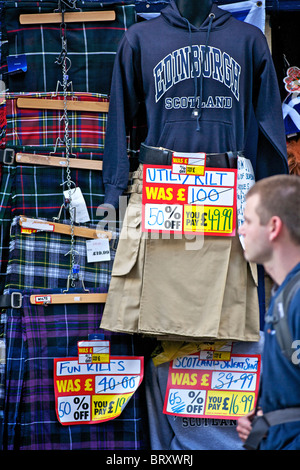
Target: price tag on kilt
x=194, y=164
x=94, y=393
x=94, y=351
x=97, y=250
x=189, y=203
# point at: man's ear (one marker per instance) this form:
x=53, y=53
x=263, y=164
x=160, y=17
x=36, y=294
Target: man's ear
x=275, y=227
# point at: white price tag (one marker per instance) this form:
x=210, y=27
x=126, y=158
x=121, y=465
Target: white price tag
x=98, y=250
x=78, y=202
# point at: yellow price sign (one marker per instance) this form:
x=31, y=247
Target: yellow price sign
x=208, y=219
x=100, y=358
x=195, y=170
x=94, y=392
x=229, y=403
x=108, y=406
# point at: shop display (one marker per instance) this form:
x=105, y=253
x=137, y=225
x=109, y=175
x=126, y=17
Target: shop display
x=53, y=130
x=199, y=102
x=191, y=431
x=104, y=108
x=35, y=336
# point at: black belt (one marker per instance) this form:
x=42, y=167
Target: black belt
x=7, y=156
x=13, y=300
x=262, y=423
x=160, y=156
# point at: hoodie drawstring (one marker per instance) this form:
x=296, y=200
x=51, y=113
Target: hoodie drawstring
x=197, y=111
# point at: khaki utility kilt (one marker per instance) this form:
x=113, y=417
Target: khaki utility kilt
x=182, y=289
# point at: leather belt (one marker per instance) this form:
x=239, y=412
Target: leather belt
x=161, y=156
x=7, y=156
x=13, y=300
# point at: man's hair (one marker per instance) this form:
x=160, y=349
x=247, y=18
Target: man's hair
x=279, y=196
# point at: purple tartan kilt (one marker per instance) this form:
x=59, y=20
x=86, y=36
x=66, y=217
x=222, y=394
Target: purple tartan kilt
x=35, y=335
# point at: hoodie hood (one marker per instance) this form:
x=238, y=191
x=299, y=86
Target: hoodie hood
x=172, y=15
x=215, y=19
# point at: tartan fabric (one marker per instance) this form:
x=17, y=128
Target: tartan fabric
x=40, y=261
x=5, y=218
x=2, y=372
x=45, y=128
x=2, y=121
x=91, y=47
x=36, y=191
x=35, y=335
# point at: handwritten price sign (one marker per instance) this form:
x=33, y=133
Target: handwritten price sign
x=96, y=392
x=189, y=203
x=224, y=389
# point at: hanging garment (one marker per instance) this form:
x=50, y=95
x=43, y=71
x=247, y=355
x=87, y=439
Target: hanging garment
x=8, y=173
x=2, y=127
x=42, y=260
x=91, y=47
x=183, y=112
x=159, y=287
x=36, y=190
x=30, y=127
x=2, y=374
x=201, y=92
x=35, y=335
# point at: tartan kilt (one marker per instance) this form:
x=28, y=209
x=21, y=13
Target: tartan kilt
x=5, y=218
x=36, y=191
x=35, y=335
x=44, y=128
x=91, y=47
x=2, y=124
x=40, y=260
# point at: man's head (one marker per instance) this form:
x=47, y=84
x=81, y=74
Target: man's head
x=273, y=200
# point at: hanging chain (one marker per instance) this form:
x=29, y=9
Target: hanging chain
x=64, y=61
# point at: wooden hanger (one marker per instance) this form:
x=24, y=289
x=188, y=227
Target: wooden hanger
x=69, y=17
x=78, y=163
x=56, y=227
x=72, y=105
x=77, y=298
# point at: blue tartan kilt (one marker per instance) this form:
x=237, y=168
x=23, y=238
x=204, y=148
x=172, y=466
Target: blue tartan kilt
x=42, y=260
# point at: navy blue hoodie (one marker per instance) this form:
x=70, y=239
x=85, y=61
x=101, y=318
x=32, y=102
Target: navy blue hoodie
x=200, y=87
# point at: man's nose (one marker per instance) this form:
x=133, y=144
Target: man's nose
x=241, y=230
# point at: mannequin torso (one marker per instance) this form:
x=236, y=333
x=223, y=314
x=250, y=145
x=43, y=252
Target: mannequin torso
x=194, y=10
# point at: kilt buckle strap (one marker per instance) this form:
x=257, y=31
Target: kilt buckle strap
x=7, y=156
x=13, y=300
